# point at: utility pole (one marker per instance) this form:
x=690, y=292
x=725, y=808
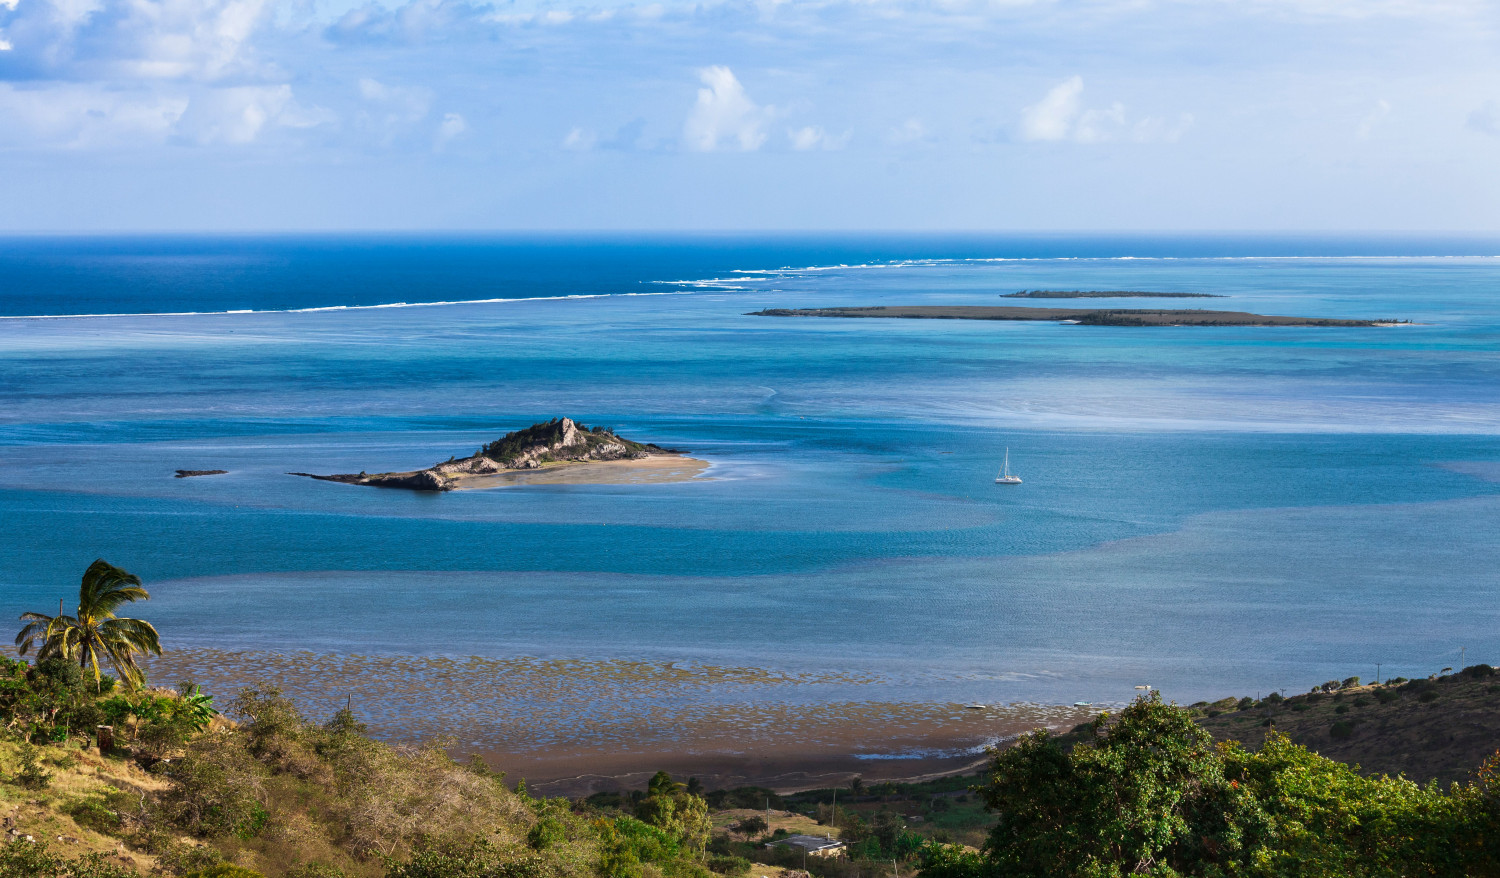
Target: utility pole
x=1377, y=673
x=1461, y=651
x=833, y=817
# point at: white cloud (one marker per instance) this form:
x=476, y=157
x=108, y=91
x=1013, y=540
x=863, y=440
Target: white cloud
x=580, y=140
x=910, y=131
x=240, y=115
x=1486, y=119
x=724, y=112
x=74, y=116
x=1060, y=115
x=1052, y=117
x=391, y=110
x=452, y=126
x=814, y=137
x=1367, y=125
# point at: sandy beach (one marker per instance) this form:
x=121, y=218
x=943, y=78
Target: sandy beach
x=653, y=469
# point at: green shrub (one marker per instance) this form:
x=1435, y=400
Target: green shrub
x=1350, y=683
x=548, y=832
x=1342, y=730
x=24, y=859
x=1341, y=709
x=1386, y=696
x=1429, y=695
x=94, y=813
x=32, y=775
x=1478, y=671
x=731, y=866
x=1245, y=703
x=225, y=870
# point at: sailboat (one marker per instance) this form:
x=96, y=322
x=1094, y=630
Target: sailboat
x=1005, y=478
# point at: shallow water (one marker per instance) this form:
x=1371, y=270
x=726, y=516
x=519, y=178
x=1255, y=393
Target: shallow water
x=1209, y=510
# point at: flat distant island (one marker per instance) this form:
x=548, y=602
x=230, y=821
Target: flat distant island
x=1085, y=316
x=559, y=451
x=1105, y=294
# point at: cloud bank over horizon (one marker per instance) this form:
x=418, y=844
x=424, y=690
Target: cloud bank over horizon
x=724, y=114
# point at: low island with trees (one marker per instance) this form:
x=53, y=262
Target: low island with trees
x=1082, y=316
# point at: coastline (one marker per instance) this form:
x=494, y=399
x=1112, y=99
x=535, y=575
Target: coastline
x=574, y=727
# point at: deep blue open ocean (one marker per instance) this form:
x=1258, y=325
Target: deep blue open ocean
x=1212, y=510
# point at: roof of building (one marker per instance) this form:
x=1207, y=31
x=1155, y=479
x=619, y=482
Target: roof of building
x=808, y=842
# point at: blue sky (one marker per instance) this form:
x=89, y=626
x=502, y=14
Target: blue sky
x=783, y=114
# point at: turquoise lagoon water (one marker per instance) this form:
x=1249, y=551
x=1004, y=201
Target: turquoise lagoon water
x=1211, y=510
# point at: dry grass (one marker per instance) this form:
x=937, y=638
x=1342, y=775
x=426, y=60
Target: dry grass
x=1444, y=738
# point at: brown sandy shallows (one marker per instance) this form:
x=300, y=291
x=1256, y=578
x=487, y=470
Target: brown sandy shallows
x=656, y=469
x=571, y=727
x=1090, y=316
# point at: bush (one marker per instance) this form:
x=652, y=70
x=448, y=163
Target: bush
x=548, y=832
x=31, y=776
x=1477, y=672
x=732, y=866
x=24, y=859
x=1274, y=698
x=1245, y=703
x=225, y=870
x=1350, y=683
x=1427, y=696
x=1342, y=730
x=1386, y=696
x=94, y=813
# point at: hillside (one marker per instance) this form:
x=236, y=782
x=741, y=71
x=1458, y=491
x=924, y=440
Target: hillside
x=1440, y=729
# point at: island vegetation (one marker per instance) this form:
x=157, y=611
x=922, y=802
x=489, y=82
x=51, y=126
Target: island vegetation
x=105, y=777
x=1105, y=294
x=1083, y=316
x=558, y=442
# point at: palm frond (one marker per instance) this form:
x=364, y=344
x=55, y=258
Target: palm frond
x=137, y=633
x=37, y=629
x=105, y=587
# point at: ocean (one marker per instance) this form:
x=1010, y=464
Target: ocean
x=1207, y=510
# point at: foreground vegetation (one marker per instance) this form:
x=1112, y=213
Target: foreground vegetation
x=100, y=779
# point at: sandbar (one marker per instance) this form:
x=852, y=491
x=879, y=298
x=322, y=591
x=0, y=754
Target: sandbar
x=654, y=469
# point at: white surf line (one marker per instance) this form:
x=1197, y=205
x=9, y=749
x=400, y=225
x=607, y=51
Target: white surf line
x=322, y=308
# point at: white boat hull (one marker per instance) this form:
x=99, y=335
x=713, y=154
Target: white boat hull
x=1008, y=480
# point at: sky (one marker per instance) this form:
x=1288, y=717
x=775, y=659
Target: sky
x=1129, y=115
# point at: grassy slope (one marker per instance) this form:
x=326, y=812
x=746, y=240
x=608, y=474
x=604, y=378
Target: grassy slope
x=1444, y=739
x=78, y=777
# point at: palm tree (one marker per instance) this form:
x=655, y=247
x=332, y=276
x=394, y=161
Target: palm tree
x=95, y=634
